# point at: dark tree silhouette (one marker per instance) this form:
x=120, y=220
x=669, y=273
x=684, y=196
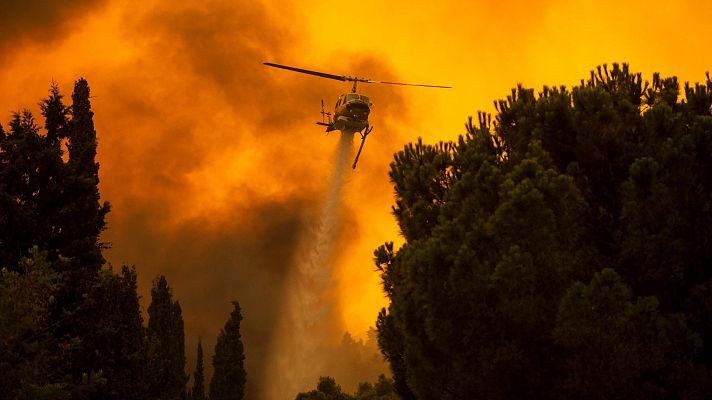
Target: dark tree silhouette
x=561, y=251
x=114, y=339
x=229, y=377
x=166, y=344
x=31, y=182
x=83, y=216
x=327, y=389
x=81, y=333
x=26, y=348
x=198, y=391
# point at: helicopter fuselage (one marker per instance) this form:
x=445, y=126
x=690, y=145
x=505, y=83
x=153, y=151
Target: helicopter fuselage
x=351, y=113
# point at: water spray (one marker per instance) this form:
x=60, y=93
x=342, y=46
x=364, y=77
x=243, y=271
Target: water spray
x=306, y=319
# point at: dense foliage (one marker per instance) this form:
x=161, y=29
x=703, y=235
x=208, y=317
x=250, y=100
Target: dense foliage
x=327, y=389
x=45, y=201
x=70, y=328
x=563, y=251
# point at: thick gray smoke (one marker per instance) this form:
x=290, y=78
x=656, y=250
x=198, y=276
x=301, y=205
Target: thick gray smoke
x=306, y=327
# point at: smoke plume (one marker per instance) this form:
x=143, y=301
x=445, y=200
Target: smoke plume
x=215, y=170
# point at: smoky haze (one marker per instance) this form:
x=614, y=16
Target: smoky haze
x=305, y=328
x=41, y=21
x=212, y=163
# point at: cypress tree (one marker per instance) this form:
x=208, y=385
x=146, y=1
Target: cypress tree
x=166, y=344
x=114, y=338
x=229, y=377
x=82, y=136
x=83, y=217
x=198, y=392
x=69, y=220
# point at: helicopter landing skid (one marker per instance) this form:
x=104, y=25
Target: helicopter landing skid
x=363, y=134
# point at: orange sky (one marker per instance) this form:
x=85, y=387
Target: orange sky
x=212, y=162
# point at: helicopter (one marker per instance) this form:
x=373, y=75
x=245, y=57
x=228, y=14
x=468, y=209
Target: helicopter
x=352, y=109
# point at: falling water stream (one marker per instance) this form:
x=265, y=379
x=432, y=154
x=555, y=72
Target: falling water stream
x=306, y=323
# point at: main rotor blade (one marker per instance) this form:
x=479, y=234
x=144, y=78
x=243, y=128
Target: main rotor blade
x=345, y=78
x=306, y=71
x=410, y=84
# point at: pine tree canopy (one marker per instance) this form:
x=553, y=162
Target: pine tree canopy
x=562, y=250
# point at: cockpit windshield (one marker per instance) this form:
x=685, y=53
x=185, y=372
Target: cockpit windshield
x=357, y=97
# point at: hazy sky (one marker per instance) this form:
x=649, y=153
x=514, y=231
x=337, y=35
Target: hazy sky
x=213, y=163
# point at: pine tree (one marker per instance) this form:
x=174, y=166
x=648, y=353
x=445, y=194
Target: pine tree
x=166, y=345
x=609, y=183
x=229, y=377
x=52, y=198
x=198, y=391
x=638, y=339
x=31, y=176
x=20, y=168
x=56, y=115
